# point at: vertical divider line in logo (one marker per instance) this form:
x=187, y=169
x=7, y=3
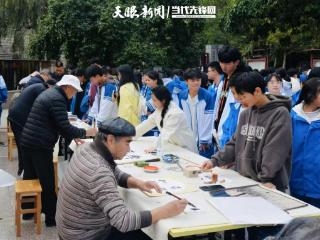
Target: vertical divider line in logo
x=168, y=11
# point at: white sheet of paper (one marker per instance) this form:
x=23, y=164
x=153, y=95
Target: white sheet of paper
x=250, y=210
x=133, y=157
x=207, y=215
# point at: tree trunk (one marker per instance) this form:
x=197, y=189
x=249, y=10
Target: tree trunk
x=284, y=59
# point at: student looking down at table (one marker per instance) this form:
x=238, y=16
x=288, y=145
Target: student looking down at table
x=261, y=146
x=170, y=120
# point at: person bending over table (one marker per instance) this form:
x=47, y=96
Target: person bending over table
x=89, y=203
x=170, y=120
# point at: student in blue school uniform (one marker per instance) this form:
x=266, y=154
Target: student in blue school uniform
x=228, y=108
x=305, y=181
x=216, y=77
x=103, y=106
x=95, y=75
x=197, y=104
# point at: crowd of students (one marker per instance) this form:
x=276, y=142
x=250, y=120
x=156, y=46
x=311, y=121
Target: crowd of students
x=264, y=124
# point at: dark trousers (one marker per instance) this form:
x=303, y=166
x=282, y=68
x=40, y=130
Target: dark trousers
x=17, y=130
x=254, y=233
x=313, y=201
x=37, y=163
x=136, y=235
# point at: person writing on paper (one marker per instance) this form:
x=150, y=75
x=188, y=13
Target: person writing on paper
x=170, y=120
x=261, y=146
x=89, y=203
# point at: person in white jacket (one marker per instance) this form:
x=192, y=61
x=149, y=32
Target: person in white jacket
x=170, y=120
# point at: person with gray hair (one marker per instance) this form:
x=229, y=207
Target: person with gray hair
x=42, y=77
x=89, y=203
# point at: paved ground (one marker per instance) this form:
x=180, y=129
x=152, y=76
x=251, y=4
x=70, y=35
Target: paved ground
x=7, y=200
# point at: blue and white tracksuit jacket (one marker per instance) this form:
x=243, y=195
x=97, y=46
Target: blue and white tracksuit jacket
x=204, y=114
x=229, y=119
x=305, y=180
x=146, y=93
x=106, y=109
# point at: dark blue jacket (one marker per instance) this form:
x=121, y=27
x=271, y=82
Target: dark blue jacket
x=47, y=120
x=19, y=111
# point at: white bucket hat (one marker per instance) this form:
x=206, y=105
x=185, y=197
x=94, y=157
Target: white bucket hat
x=70, y=80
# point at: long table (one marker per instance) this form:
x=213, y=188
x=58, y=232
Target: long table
x=190, y=223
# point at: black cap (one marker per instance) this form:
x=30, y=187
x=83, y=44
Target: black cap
x=117, y=127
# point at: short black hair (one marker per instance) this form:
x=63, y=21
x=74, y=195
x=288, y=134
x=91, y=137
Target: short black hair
x=270, y=76
x=93, y=70
x=247, y=82
x=229, y=54
x=292, y=71
x=216, y=65
x=178, y=72
x=78, y=72
x=264, y=72
x=192, y=73
x=283, y=74
x=305, y=66
x=106, y=70
x=51, y=82
x=168, y=72
x=94, y=60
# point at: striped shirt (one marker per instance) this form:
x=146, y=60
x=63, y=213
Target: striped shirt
x=89, y=202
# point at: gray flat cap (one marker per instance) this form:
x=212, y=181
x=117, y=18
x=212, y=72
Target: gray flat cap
x=117, y=127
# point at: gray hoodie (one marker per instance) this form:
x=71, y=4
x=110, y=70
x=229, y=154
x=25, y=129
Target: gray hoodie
x=261, y=145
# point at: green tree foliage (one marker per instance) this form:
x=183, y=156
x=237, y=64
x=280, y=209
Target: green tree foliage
x=17, y=17
x=282, y=26
x=82, y=29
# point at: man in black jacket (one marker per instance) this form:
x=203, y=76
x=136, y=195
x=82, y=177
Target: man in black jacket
x=47, y=120
x=20, y=109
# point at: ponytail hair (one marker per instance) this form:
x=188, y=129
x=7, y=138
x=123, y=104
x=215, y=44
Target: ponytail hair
x=310, y=90
x=163, y=95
